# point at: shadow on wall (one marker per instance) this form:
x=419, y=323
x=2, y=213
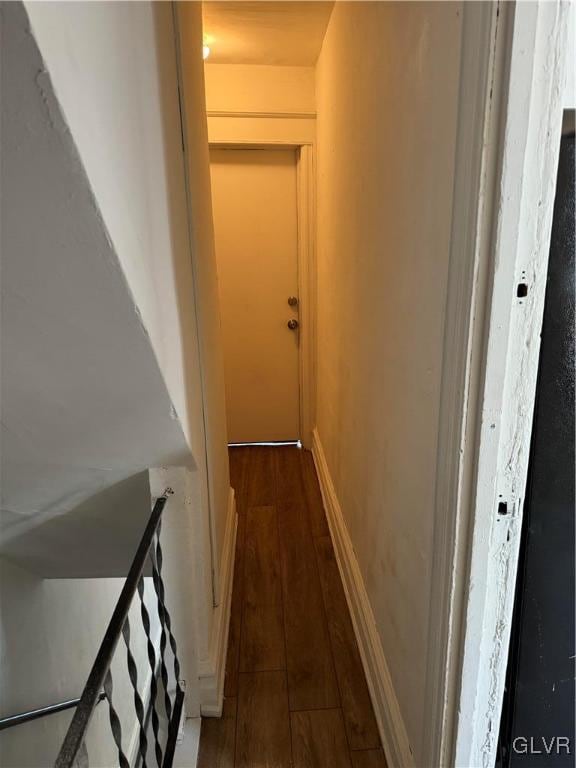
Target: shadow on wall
x=96, y=539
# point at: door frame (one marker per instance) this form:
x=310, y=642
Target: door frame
x=306, y=264
x=506, y=162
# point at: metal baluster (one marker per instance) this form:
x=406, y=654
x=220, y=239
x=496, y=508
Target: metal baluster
x=163, y=668
x=115, y=721
x=167, y=618
x=138, y=703
x=73, y=748
x=82, y=757
x=153, y=685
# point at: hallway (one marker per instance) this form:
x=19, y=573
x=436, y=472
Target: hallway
x=295, y=692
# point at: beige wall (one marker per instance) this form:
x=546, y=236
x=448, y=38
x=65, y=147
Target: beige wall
x=259, y=88
x=387, y=82
x=254, y=103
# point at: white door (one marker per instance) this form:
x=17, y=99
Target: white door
x=255, y=222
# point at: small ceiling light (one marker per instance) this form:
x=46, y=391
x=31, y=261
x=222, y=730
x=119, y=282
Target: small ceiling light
x=205, y=51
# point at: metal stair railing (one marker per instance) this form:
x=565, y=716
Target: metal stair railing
x=10, y=721
x=100, y=679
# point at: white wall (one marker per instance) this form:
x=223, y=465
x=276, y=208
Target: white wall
x=114, y=69
x=387, y=81
x=50, y=634
x=569, y=98
x=95, y=539
x=84, y=404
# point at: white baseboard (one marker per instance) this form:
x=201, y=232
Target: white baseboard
x=211, y=670
x=386, y=708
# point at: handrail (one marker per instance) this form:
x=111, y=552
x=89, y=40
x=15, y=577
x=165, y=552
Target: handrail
x=100, y=676
x=34, y=714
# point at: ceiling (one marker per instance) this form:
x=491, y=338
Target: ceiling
x=280, y=33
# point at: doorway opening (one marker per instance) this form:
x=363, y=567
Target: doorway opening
x=261, y=107
x=262, y=207
x=539, y=692
x=255, y=209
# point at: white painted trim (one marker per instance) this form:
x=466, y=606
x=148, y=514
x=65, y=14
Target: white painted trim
x=307, y=290
x=211, y=670
x=476, y=92
x=250, y=143
x=386, y=708
x=277, y=115
x=206, y=436
x=504, y=360
x=306, y=223
x=270, y=444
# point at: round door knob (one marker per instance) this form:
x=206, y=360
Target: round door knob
x=293, y=324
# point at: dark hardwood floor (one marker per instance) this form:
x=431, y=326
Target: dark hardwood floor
x=295, y=692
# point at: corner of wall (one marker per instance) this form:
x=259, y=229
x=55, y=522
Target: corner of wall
x=211, y=669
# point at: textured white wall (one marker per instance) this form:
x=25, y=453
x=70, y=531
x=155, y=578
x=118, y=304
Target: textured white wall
x=50, y=634
x=570, y=87
x=387, y=81
x=84, y=404
x=113, y=68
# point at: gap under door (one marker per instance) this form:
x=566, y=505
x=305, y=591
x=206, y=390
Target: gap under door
x=254, y=198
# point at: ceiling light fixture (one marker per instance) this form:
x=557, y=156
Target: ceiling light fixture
x=205, y=51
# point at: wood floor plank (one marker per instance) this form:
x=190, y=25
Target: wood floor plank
x=260, y=485
x=371, y=758
x=218, y=739
x=263, y=725
x=238, y=458
x=311, y=677
x=282, y=563
x=289, y=479
x=235, y=626
x=319, y=739
x=262, y=642
x=318, y=522
x=356, y=703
